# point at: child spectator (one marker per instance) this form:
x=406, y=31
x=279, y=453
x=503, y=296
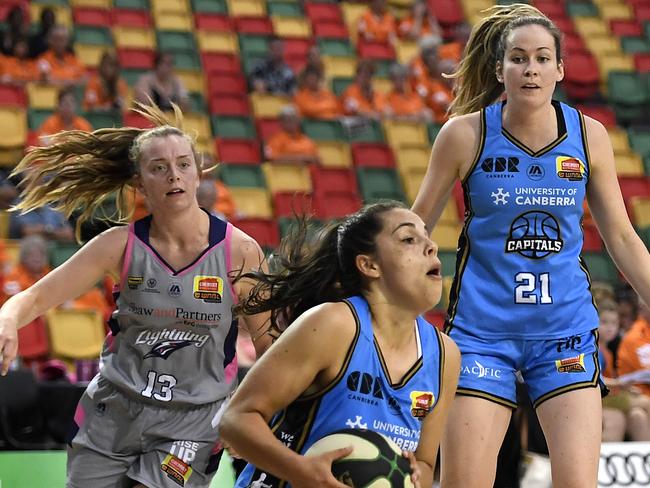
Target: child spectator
x=272, y=75
x=65, y=117
x=290, y=144
x=106, y=90
x=18, y=69
x=360, y=98
x=162, y=85
x=634, y=349
x=58, y=65
x=314, y=100
x=402, y=102
x=377, y=24
x=421, y=22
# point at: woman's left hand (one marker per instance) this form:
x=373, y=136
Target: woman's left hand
x=416, y=473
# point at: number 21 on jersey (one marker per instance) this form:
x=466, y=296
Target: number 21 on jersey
x=532, y=288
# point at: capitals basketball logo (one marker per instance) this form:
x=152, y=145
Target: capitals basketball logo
x=534, y=235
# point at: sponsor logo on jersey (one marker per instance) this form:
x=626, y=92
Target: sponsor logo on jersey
x=185, y=450
x=208, y=288
x=534, y=235
x=190, y=317
x=421, y=403
x=165, y=349
x=150, y=286
x=176, y=470
x=575, y=364
x=569, y=168
x=134, y=281
x=500, y=167
x=364, y=388
x=481, y=371
x=358, y=423
x=535, y=172
x=568, y=343
x=500, y=197
x=545, y=197
x=175, y=290
x=173, y=339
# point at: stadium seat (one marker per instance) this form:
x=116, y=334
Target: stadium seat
x=642, y=62
x=97, y=17
x=229, y=105
x=42, y=96
x=4, y=224
x=286, y=204
x=241, y=8
x=629, y=165
x=628, y=93
x=377, y=184
x=592, y=241
x=131, y=4
x=142, y=59
x=582, y=78
x=406, y=51
x=12, y=96
x=36, y=117
x=582, y=10
x=173, y=22
x=336, y=47
x=217, y=41
x=436, y=318
x=610, y=11
x=254, y=25
x=252, y=202
x=411, y=180
x=323, y=130
x=640, y=141
x=13, y=127
x=640, y=207
x=448, y=12
x=291, y=27
x=602, y=113
x=59, y=253
x=210, y=6
x=621, y=27
x=446, y=235
x=619, y=140
x=551, y=8
x=90, y=55
x=248, y=176
x=635, y=44
x=239, y=151
x=265, y=230
x=75, y=334
x=339, y=85
x=283, y=8
x=266, y=127
x=104, y=119
x=330, y=12
x=267, y=105
x=330, y=30
x=600, y=267
x=220, y=63
x=134, y=37
x=175, y=41
x=192, y=79
x=233, y=127
x=368, y=131
x=402, y=133
x=100, y=36
x=227, y=83
x=334, y=154
x=197, y=125
x=171, y=6
x=614, y=62
x=375, y=50
x=132, y=18
x=287, y=177
x=333, y=180
x=338, y=66
x=213, y=22
x=372, y=155
x=413, y=156
x=33, y=342
x=336, y=204
x=634, y=187
x=61, y=12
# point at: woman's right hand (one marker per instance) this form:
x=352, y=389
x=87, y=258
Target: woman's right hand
x=8, y=344
x=317, y=470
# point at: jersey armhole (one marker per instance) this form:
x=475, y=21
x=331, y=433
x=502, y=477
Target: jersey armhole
x=479, y=149
x=128, y=255
x=585, y=145
x=441, y=369
x=228, y=255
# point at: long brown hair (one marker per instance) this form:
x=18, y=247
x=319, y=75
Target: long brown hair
x=80, y=170
x=476, y=83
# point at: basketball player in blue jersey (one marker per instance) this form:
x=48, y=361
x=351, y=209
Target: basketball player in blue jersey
x=356, y=354
x=521, y=300
x=150, y=417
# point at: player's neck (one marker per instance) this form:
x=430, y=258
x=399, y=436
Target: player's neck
x=518, y=118
x=181, y=228
x=390, y=322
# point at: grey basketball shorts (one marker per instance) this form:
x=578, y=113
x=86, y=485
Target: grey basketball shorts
x=121, y=441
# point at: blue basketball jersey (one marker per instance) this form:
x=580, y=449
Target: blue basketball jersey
x=362, y=396
x=519, y=273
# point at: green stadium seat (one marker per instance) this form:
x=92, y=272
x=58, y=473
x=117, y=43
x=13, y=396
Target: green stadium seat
x=575, y=9
x=100, y=36
x=250, y=61
x=628, y=93
x=601, y=267
x=287, y=224
x=253, y=45
x=62, y=3
x=131, y=75
x=432, y=130
x=339, y=85
x=284, y=8
x=323, y=130
x=233, y=127
x=243, y=175
x=187, y=60
x=378, y=184
x=104, y=119
x=36, y=117
x=645, y=236
x=448, y=260
x=336, y=47
x=197, y=103
x=369, y=131
x=210, y=6
x=634, y=45
x=133, y=4
x=560, y=95
x=59, y=253
x=175, y=41
x=639, y=141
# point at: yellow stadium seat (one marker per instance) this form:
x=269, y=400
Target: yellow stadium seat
x=13, y=127
x=252, y=202
x=287, y=177
x=450, y=213
x=351, y=14
x=446, y=234
x=12, y=246
x=225, y=42
x=382, y=85
x=89, y=54
x=603, y=45
x=61, y=14
x=620, y=141
x=629, y=165
x=413, y=156
x=206, y=147
x=42, y=96
x=640, y=211
x=473, y=8
x=401, y=133
x=135, y=37
x=412, y=180
x=105, y=4
x=192, y=80
x=75, y=334
x=4, y=224
x=173, y=21
x=267, y=105
x=339, y=66
x=610, y=11
x=590, y=26
x=197, y=125
x=406, y=51
x=614, y=62
x=401, y=3
x=177, y=6
x=10, y=156
x=251, y=8
x=334, y=154
x=447, y=281
x=291, y=27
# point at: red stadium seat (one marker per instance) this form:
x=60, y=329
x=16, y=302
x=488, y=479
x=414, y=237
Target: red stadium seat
x=642, y=62
x=296, y=47
x=642, y=11
x=33, y=341
x=631, y=27
x=335, y=205
x=213, y=22
x=331, y=30
x=551, y=8
x=436, y=318
x=581, y=77
x=265, y=232
x=267, y=127
x=254, y=25
x=7, y=5
x=238, y=151
x=602, y=113
x=136, y=58
x=229, y=105
x=448, y=12
x=318, y=12
x=459, y=199
x=132, y=119
x=592, y=241
x=633, y=186
x=227, y=83
x=220, y=63
x=373, y=155
x=286, y=204
x=13, y=96
x=131, y=18
x=375, y=50
x=574, y=43
x=96, y=17
x=565, y=24
x=333, y=180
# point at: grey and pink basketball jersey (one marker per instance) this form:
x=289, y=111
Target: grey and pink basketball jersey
x=173, y=334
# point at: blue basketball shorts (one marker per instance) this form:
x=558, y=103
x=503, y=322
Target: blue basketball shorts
x=549, y=367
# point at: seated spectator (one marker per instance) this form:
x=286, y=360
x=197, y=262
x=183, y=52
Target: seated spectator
x=18, y=68
x=225, y=202
x=272, y=75
x=290, y=144
x=634, y=349
x=360, y=98
x=428, y=82
x=315, y=61
x=106, y=90
x=162, y=85
x=38, y=43
x=206, y=195
x=65, y=117
x=16, y=28
x=453, y=50
x=377, y=24
x=8, y=192
x=59, y=66
x=421, y=22
x=403, y=103
x=314, y=100
x=45, y=222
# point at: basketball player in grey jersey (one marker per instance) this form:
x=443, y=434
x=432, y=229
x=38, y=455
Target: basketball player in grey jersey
x=150, y=417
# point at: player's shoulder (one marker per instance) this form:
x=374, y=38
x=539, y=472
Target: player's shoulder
x=461, y=131
x=331, y=321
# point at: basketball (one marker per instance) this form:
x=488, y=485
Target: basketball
x=376, y=461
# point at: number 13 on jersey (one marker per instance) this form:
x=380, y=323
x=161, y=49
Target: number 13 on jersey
x=532, y=288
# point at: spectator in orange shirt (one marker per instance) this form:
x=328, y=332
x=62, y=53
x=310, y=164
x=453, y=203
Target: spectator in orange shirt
x=65, y=117
x=225, y=202
x=290, y=144
x=57, y=64
x=634, y=349
x=314, y=100
x=377, y=24
x=454, y=50
x=360, y=98
x=403, y=103
x=427, y=80
x=18, y=69
x=106, y=90
x=421, y=22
